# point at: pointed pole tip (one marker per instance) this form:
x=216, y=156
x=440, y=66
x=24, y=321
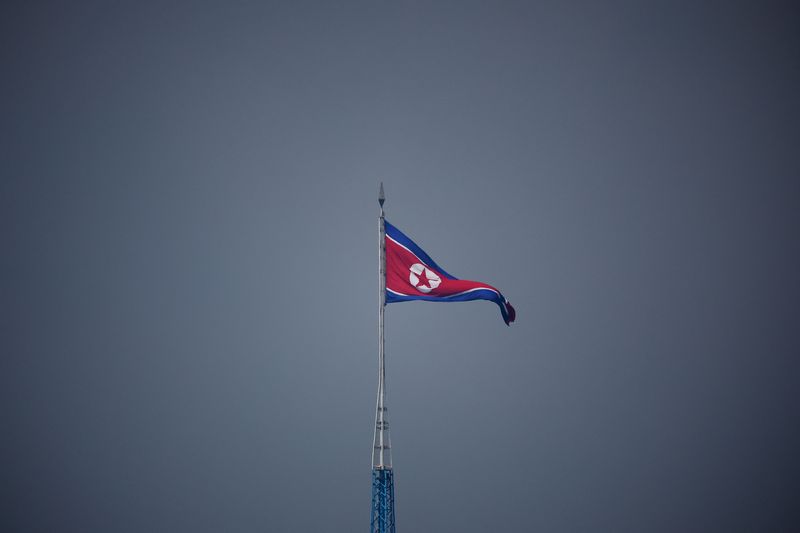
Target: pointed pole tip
x=381, y=197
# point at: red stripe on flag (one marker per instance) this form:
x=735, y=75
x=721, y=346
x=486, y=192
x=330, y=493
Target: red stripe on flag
x=399, y=261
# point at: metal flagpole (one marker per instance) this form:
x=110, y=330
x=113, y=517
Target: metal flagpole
x=380, y=412
x=382, y=512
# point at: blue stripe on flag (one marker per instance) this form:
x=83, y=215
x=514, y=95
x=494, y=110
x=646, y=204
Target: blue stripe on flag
x=398, y=236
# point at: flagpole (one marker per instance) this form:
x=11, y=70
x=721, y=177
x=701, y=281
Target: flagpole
x=380, y=442
x=382, y=516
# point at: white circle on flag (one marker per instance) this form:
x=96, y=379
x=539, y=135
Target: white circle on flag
x=422, y=278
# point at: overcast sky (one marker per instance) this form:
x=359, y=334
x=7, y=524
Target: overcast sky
x=188, y=299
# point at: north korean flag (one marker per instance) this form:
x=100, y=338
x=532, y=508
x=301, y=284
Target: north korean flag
x=411, y=274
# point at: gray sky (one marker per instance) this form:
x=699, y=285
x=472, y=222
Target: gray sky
x=188, y=293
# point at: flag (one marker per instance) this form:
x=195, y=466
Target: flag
x=411, y=274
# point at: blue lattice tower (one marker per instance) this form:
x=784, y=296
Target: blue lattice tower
x=382, y=516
